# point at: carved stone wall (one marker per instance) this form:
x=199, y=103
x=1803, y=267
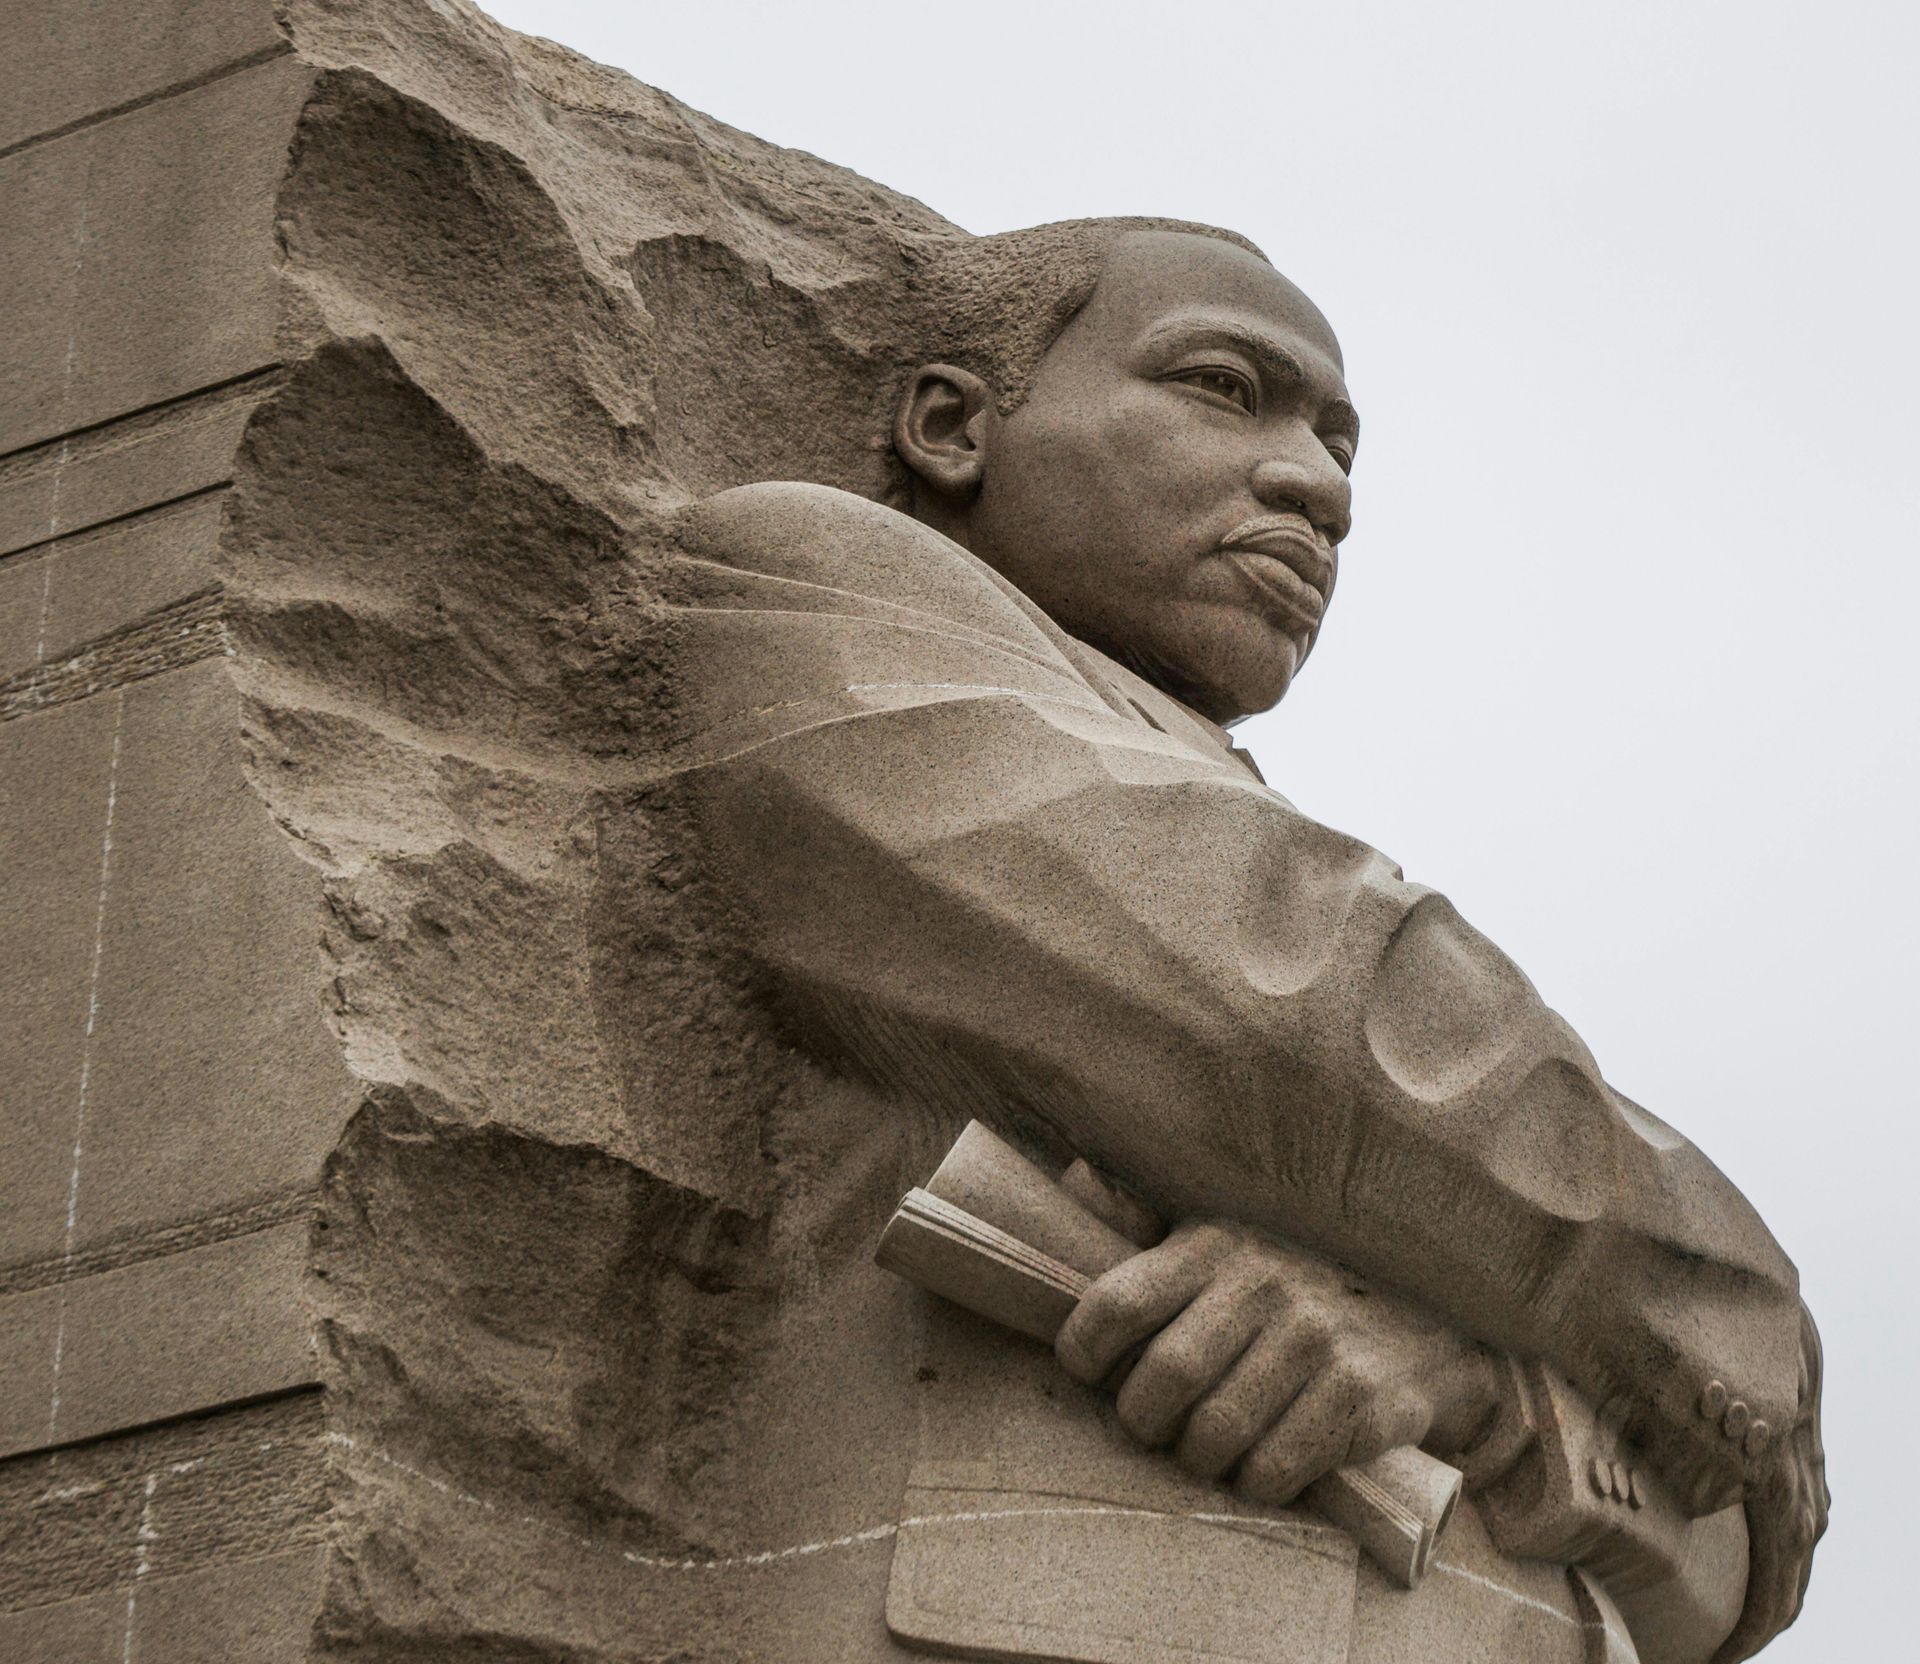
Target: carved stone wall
x=371, y=1108
x=169, y=1083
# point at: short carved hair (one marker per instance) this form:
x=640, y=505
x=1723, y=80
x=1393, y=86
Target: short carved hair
x=994, y=305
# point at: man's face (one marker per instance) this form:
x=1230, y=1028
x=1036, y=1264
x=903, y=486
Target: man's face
x=1174, y=487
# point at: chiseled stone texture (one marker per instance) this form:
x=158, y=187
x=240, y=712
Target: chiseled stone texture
x=536, y=308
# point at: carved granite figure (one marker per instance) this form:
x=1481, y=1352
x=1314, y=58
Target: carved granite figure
x=652, y=681
x=961, y=773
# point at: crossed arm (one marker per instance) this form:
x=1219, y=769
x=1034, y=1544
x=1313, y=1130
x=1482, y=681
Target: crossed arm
x=977, y=873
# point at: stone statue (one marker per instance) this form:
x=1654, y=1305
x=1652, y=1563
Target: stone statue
x=962, y=775
x=596, y=690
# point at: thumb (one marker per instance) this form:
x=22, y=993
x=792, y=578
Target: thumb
x=1115, y=1208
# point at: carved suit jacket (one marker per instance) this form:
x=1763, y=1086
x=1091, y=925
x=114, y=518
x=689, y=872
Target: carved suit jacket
x=984, y=865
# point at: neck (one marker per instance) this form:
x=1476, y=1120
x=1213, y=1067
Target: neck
x=943, y=516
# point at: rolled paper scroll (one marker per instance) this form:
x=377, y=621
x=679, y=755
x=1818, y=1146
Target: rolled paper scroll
x=994, y=1234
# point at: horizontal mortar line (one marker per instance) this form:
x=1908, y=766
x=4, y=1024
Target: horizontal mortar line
x=142, y=1247
x=234, y=66
x=171, y=637
x=158, y=409
x=156, y=510
x=182, y=1441
x=156, y=1424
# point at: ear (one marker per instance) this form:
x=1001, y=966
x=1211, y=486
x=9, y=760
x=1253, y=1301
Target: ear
x=940, y=428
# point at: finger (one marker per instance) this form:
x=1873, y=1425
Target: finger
x=1184, y=1360
x=1808, y=1528
x=1252, y=1397
x=1800, y=1589
x=1757, y=1623
x=1311, y=1438
x=1125, y=1306
x=1392, y=1421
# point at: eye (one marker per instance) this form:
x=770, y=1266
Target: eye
x=1221, y=383
x=1342, y=453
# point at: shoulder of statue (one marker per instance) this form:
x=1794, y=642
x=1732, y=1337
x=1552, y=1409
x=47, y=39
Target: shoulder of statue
x=781, y=544
x=817, y=534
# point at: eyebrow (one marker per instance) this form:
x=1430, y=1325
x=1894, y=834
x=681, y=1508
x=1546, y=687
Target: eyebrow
x=1273, y=358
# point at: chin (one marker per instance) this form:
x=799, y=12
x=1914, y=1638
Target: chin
x=1245, y=690
x=1250, y=701
x=1254, y=681
x=1223, y=674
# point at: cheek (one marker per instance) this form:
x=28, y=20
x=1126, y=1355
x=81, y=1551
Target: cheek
x=1090, y=470
x=1176, y=452
x=1070, y=514
x=1169, y=497
x=1109, y=522
x=1130, y=457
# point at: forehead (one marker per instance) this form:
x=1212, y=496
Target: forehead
x=1153, y=278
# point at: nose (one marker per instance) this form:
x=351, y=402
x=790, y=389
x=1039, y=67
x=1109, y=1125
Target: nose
x=1302, y=474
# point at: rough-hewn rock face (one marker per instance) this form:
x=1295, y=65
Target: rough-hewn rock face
x=539, y=308
x=547, y=307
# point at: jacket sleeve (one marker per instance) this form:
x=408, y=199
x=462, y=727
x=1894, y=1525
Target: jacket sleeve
x=984, y=879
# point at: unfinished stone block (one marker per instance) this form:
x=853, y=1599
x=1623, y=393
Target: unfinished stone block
x=71, y=62
x=161, y=1337
x=55, y=776
x=88, y=584
x=135, y=272
x=215, y=1081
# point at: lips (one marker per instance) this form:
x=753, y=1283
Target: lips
x=1286, y=561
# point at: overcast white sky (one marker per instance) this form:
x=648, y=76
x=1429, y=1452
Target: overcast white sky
x=1622, y=657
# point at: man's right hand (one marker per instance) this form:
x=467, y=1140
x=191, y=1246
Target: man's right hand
x=1786, y=1517
x=1271, y=1360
